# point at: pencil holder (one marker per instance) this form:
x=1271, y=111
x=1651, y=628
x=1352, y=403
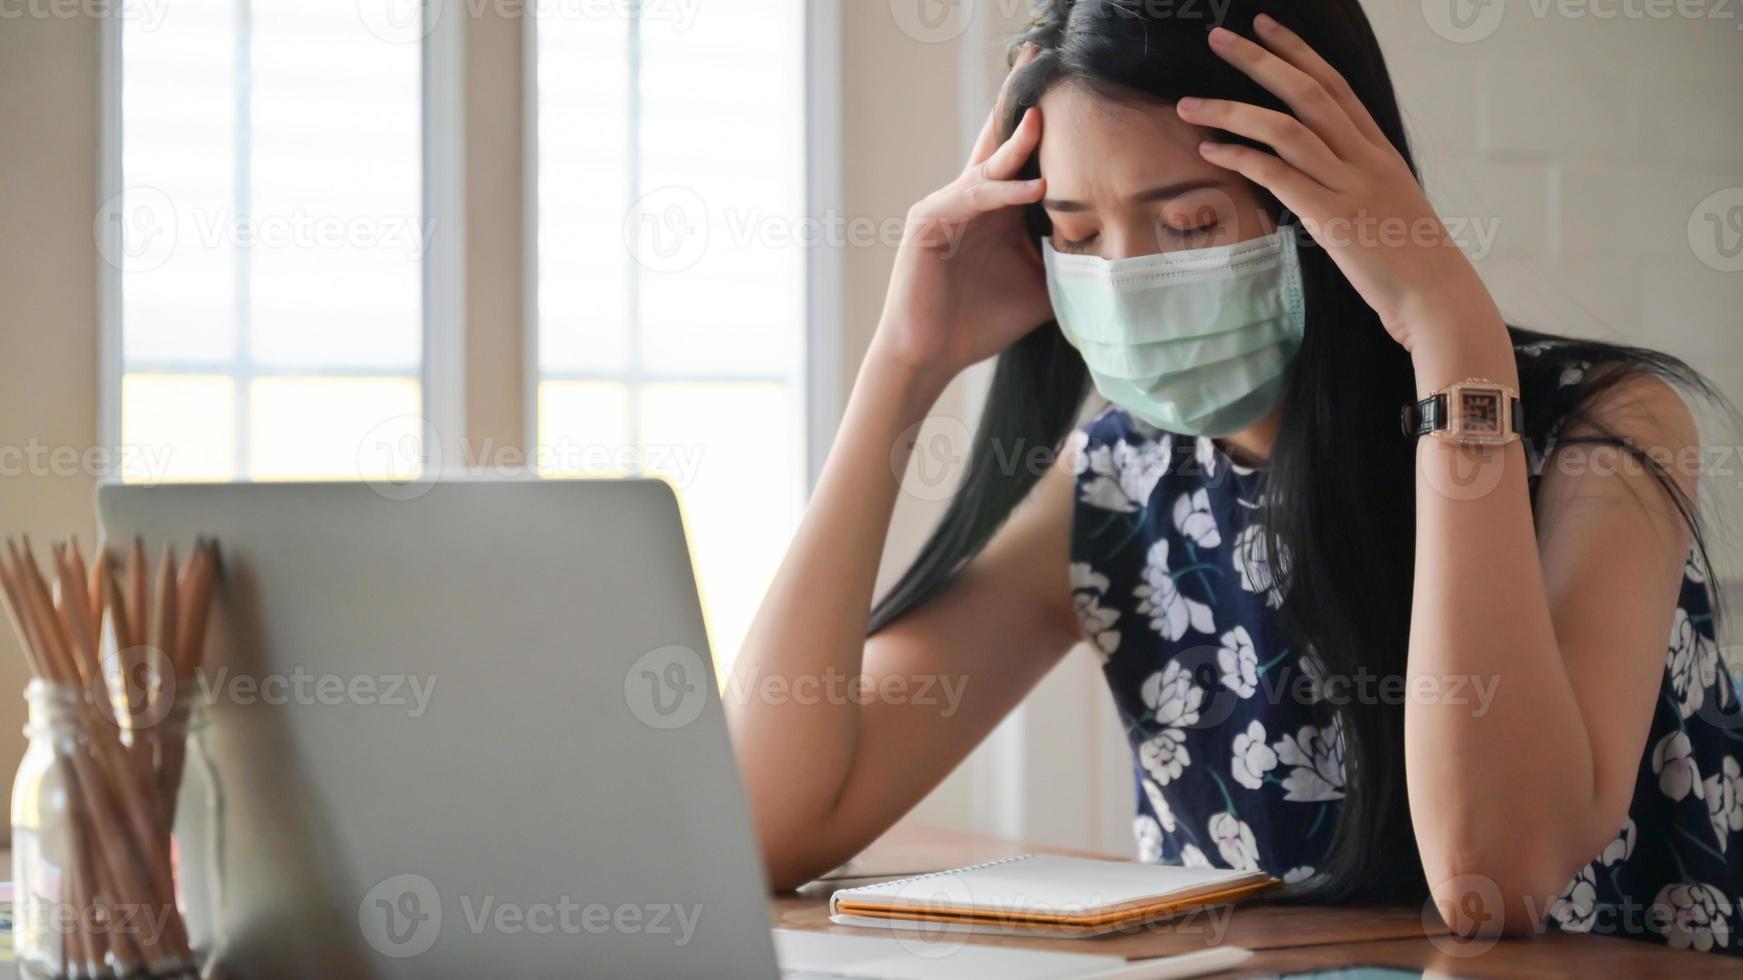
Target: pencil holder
x=117, y=810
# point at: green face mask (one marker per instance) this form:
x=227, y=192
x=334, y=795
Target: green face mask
x=1195, y=342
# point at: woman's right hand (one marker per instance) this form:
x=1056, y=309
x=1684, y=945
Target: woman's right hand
x=968, y=281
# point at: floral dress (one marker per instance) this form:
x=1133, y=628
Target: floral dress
x=1236, y=764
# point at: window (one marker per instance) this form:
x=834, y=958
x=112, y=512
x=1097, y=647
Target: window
x=668, y=300
x=269, y=237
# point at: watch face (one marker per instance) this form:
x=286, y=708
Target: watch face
x=1480, y=411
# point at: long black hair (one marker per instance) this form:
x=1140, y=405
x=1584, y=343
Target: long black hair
x=1341, y=477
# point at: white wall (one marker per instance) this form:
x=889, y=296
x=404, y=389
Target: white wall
x=1591, y=144
x=48, y=303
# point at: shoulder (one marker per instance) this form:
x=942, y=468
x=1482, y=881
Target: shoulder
x=1580, y=397
x=1585, y=385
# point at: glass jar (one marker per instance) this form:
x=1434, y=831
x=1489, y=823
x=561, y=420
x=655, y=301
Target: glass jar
x=109, y=877
x=197, y=835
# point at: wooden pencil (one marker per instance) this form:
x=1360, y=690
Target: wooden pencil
x=121, y=802
x=138, y=600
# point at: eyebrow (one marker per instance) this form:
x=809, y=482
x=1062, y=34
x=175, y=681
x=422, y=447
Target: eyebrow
x=1163, y=193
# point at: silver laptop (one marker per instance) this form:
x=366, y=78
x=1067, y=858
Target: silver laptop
x=471, y=729
x=465, y=729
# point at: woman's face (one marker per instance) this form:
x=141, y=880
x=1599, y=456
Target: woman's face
x=1125, y=179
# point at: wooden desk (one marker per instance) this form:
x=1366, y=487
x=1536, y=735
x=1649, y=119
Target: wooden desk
x=1288, y=939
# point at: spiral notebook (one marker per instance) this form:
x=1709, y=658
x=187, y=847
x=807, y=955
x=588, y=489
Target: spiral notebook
x=1044, y=894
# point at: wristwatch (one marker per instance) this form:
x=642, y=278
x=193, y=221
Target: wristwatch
x=1472, y=413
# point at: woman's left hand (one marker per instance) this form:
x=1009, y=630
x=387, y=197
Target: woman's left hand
x=1336, y=170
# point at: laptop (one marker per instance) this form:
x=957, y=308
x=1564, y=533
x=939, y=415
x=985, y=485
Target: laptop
x=469, y=728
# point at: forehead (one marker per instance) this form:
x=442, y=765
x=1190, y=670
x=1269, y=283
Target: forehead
x=1091, y=144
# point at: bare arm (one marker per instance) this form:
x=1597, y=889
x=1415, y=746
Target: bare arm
x=827, y=772
x=1566, y=614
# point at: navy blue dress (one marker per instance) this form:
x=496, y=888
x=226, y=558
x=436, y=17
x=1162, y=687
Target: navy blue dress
x=1238, y=767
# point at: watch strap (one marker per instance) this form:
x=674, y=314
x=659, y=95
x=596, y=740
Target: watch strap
x=1430, y=416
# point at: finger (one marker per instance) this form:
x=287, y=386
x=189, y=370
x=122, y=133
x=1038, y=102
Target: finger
x=1306, y=97
x=1293, y=141
x=1299, y=53
x=1004, y=164
x=988, y=140
x=1297, y=191
x=992, y=195
x=942, y=220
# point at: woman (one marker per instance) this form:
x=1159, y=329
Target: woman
x=1379, y=665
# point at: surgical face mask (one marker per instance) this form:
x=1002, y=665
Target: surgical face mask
x=1194, y=342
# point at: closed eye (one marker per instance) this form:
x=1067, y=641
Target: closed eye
x=1189, y=235
x=1079, y=246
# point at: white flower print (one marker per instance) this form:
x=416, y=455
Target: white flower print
x=1295, y=876
x=1253, y=562
x=1192, y=517
x=1174, y=700
x=1317, y=759
x=1674, y=764
x=1077, y=450
x=1171, y=613
x=1725, y=801
x=1576, y=909
x=1622, y=847
x=1173, y=696
x=1234, y=840
x=1123, y=476
x=1695, y=916
x=1159, y=804
x=1165, y=757
x=1238, y=662
x=1205, y=455
x=1088, y=586
x=1695, y=571
x=1575, y=373
x=1192, y=857
x=1149, y=837
x=1693, y=664
x=1253, y=758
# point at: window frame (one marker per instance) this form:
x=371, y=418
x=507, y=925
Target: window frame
x=817, y=383
x=441, y=371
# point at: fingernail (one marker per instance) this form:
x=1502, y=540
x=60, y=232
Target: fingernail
x=1264, y=22
x=1221, y=35
x=1208, y=147
x=1188, y=104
